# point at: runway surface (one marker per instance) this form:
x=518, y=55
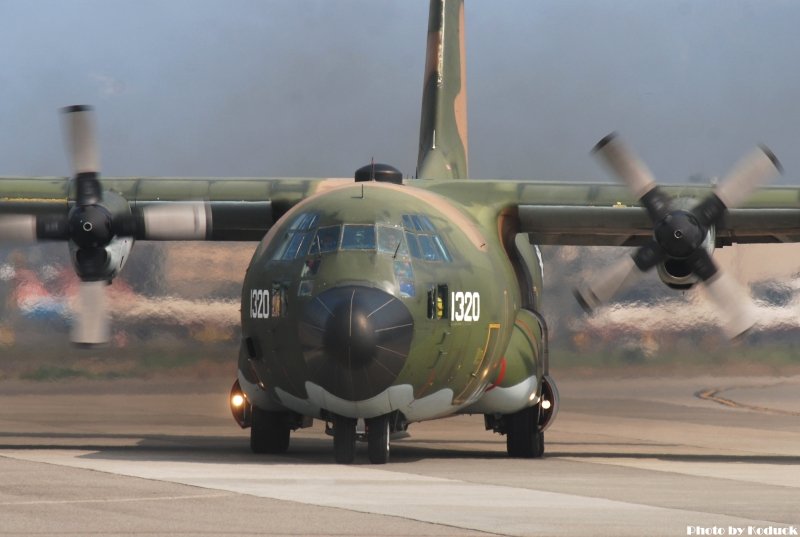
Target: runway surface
x=639, y=456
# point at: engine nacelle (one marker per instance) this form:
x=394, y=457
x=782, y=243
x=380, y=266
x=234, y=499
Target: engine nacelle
x=677, y=273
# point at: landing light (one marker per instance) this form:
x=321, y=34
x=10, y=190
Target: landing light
x=546, y=404
x=237, y=400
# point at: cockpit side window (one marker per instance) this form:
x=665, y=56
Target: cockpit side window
x=296, y=239
x=429, y=252
x=426, y=224
x=305, y=221
x=413, y=245
x=297, y=246
x=442, y=249
x=424, y=242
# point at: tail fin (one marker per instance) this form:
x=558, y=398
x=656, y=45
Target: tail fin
x=443, y=127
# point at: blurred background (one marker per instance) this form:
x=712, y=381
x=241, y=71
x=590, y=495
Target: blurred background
x=317, y=88
x=175, y=310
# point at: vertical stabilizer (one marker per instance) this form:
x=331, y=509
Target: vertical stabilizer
x=443, y=128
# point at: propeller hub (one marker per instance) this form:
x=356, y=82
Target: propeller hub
x=90, y=226
x=679, y=234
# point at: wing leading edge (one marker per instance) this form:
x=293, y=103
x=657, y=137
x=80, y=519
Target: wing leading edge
x=242, y=209
x=565, y=213
x=598, y=214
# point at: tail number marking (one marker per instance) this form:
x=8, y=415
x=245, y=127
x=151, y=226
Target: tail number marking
x=259, y=303
x=465, y=306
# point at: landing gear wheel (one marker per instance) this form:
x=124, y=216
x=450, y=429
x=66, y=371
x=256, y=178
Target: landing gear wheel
x=523, y=438
x=269, y=432
x=344, y=439
x=378, y=439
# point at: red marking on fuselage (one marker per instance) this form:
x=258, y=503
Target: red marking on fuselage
x=500, y=376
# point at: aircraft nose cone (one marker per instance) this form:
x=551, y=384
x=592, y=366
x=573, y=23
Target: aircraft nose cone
x=350, y=335
x=355, y=340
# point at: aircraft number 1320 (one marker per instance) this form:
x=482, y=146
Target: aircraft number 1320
x=466, y=306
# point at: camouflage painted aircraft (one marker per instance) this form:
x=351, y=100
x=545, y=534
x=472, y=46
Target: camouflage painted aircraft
x=378, y=302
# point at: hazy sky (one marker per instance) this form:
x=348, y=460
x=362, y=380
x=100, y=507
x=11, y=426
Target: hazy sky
x=313, y=88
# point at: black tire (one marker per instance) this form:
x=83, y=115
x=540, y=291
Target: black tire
x=540, y=452
x=524, y=440
x=378, y=439
x=344, y=439
x=269, y=432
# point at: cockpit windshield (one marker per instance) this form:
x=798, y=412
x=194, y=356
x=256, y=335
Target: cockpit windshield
x=390, y=241
x=358, y=237
x=417, y=237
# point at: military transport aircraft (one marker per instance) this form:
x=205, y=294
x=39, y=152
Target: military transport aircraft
x=375, y=302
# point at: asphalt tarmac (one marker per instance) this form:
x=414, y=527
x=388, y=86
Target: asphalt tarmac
x=637, y=456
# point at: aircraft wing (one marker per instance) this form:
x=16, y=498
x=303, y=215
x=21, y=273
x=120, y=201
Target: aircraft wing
x=242, y=209
x=553, y=212
x=572, y=213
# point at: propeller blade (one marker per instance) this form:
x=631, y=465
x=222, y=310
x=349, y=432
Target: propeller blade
x=733, y=303
x=177, y=221
x=18, y=227
x=600, y=289
x=726, y=293
x=82, y=147
x=81, y=142
x=92, y=324
x=621, y=160
x=29, y=227
x=747, y=175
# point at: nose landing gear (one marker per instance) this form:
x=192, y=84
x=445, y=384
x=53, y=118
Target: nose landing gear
x=376, y=431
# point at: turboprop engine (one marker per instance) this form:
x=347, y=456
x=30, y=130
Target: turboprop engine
x=683, y=235
x=100, y=227
x=677, y=273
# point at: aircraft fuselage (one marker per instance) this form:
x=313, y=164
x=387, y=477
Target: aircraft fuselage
x=373, y=298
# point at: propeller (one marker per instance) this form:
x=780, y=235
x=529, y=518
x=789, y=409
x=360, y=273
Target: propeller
x=93, y=223
x=678, y=233
x=89, y=224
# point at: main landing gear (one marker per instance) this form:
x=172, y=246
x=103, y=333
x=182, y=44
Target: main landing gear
x=269, y=432
x=524, y=438
x=525, y=428
x=345, y=433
